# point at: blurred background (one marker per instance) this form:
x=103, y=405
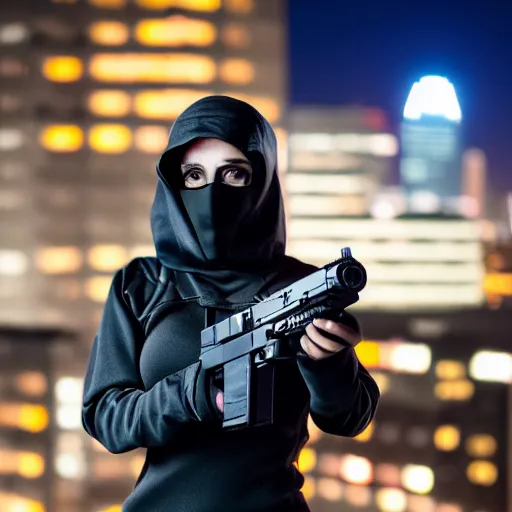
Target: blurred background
x=393, y=123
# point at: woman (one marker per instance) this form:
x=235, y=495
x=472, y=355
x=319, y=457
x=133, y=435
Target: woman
x=218, y=228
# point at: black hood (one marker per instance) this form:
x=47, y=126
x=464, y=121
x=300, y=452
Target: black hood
x=256, y=249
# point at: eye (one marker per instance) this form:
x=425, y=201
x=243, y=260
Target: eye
x=237, y=176
x=194, y=178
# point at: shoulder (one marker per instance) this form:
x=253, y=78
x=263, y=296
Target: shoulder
x=291, y=270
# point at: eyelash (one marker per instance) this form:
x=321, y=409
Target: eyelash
x=225, y=172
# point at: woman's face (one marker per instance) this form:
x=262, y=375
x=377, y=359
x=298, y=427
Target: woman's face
x=209, y=160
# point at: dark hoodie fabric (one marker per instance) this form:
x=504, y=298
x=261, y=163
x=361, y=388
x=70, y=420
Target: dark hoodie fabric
x=144, y=387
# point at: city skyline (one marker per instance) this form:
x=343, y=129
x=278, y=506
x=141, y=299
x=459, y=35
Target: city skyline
x=372, y=53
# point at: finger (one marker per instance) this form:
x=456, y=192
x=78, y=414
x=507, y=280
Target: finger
x=311, y=350
x=350, y=321
x=339, y=330
x=219, y=401
x=328, y=345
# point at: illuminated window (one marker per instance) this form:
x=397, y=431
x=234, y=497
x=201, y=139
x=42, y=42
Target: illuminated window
x=31, y=383
x=409, y=357
x=109, y=33
x=307, y=460
x=59, y=260
x=266, y=106
x=329, y=489
x=152, y=68
x=368, y=354
x=12, y=262
x=62, y=138
x=481, y=445
x=190, y=5
x=107, y=257
x=239, y=6
x=447, y=438
x=309, y=488
x=482, y=472
x=418, y=479
x=457, y=390
x=110, y=103
x=391, y=500
x=13, y=33
x=366, y=434
x=26, y=464
x=108, y=4
x=70, y=466
x=151, y=139
x=235, y=35
x=487, y=365
x=97, y=288
x=237, y=71
x=10, y=139
x=165, y=104
x=175, y=31
x=450, y=370
x=110, y=138
x=356, y=470
x=29, y=417
x=63, y=69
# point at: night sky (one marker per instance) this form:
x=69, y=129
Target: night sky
x=371, y=52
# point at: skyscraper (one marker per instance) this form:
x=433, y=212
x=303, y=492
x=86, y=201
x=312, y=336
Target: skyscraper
x=431, y=147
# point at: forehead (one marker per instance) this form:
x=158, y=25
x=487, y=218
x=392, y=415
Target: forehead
x=210, y=151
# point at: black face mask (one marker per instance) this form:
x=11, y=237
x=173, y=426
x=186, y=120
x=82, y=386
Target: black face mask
x=218, y=213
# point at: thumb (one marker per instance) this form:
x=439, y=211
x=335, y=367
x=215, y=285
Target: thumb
x=219, y=401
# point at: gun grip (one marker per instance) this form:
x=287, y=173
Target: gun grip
x=237, y=379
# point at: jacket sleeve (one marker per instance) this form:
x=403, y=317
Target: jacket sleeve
x=343, y=395
x=117, y=410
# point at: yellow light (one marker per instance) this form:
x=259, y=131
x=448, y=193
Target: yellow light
x=366, y=434
x=239, y=6
x=481, y=445
x=110, y=103
x=266, y=106
x=235, y=35
x=152, y=68
x=109, y=33
x=447, y=438
x=237, y=71
x=356, y=470
x=190, y=5
x=107, y=257
x=309, y=488
x=391, y=500
x=151, y=139
x=175, y=31
x=482, y=472
x=30, y=465
x=450, y=370
x=458, y=390
x=307, y=460
x=63, y=69
x=368, y=353
x=113, y=508
x=165, y=104
x=16, y=503
x=97, y=288
x=59, y=260
x=110, y=138
x=62, y=138
x=108, y=4
x=29, y=417
x=418, y=479
x=498, y=283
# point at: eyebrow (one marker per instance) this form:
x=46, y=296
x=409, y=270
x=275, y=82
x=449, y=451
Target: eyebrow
x=234, y=161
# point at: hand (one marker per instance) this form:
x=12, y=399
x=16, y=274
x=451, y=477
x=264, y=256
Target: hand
x=317, y=346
